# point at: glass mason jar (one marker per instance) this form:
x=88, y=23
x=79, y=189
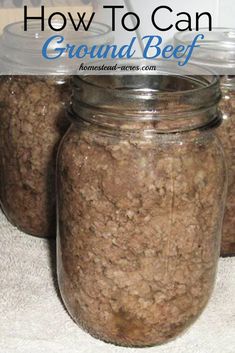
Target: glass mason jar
x=33, y=99
x=141, y=188
x=217, y=51
x=32, y=123
x=227, y=135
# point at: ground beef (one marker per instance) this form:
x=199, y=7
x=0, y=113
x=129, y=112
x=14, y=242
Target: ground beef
x=32, y=122
x=227, y=136
x=139, y=231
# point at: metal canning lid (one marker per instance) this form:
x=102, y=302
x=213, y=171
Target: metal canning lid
x=21, y=52
x=217, y=49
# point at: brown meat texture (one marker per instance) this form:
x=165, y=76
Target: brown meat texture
x=32, y=122
x=139, y=231
x=227, y=135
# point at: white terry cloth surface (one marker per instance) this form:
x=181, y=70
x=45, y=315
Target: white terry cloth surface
x=33, y=319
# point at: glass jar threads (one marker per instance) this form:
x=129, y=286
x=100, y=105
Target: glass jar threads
x=141, y=188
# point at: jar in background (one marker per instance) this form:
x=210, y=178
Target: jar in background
x=32, y=123
x=141, y=188
x=217, y=51
x=227, y=135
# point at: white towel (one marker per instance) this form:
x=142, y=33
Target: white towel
x=33, y=319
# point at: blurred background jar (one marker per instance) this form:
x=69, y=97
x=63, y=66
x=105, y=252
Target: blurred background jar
x=34, y=96
x=12, y=10
x=217, y=51
x=141, y=193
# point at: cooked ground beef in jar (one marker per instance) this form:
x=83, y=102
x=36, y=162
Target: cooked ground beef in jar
x=32, y=122
x=139, y=231
x=227, y=135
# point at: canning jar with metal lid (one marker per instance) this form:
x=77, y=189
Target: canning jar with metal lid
x=217, y=51
x=34, y=95
x=141, y=187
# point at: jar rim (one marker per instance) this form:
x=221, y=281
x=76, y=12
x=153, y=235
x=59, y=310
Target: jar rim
x=15, y=29
x=217, y=49
x=170, y=95
x=21, y=51
x=165, y=68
